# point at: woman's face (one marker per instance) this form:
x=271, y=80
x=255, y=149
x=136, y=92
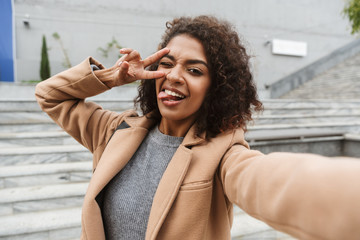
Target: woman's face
x=181, y=92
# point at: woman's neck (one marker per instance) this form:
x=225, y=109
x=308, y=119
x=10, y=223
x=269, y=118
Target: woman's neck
x=174, y=128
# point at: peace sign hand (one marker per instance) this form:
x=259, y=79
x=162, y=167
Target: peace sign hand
x=130, y=68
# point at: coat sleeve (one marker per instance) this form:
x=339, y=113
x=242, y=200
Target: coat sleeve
x=307, y=196
x=62, y=97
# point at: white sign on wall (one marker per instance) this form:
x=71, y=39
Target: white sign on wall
x=291, y=48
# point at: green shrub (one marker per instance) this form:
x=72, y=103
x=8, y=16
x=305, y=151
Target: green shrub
x=45, y=64
x=352, y=12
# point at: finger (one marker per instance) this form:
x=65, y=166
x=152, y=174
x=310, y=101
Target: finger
x=120, y=60
x=123, y=70
x=155, y=57
x=133, y=55
x=152, y=74
x=126, y=50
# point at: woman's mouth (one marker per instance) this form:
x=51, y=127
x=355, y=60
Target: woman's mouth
x=170, y=98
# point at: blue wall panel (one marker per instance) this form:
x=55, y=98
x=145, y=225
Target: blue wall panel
x=6, y=42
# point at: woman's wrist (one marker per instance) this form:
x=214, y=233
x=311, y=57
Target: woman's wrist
x=107, y=76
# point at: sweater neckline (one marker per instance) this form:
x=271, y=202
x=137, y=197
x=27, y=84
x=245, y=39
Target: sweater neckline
x=163, y=139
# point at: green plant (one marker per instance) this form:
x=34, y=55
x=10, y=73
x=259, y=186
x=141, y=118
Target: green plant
x=66, y=62
x=352, y=12
x=110, y=45
x=44, y=65
x=31, y=82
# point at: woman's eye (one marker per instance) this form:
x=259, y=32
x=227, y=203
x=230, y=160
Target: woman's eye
x=195, y=71
x=165, y=64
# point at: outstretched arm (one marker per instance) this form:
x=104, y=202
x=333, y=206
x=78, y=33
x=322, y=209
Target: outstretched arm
x=305, y=195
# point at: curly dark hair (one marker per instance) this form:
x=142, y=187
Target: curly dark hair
x=232, y=95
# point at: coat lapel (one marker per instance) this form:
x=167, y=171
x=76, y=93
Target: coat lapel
x=170, y=183
x=119, y=151
x=115, y=157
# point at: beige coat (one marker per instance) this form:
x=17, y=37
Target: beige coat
x=308, y=196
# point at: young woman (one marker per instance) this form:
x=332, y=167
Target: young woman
x=176, y=171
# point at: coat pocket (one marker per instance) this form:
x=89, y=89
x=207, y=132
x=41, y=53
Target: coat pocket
x=189, y=215
x=196, y=185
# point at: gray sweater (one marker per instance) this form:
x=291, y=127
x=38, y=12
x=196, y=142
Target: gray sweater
x=128, y=197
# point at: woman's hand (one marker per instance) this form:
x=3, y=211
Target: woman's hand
x=130, y=68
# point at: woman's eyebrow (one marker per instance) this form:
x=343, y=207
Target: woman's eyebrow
x=189, y=61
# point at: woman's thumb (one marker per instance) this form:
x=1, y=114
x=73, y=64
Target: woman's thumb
x=123, y=70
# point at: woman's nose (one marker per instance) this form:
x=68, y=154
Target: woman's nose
x=175, y=75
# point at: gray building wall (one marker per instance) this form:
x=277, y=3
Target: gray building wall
x=84, y=26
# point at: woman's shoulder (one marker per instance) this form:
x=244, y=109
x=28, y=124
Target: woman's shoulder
x=232, y=137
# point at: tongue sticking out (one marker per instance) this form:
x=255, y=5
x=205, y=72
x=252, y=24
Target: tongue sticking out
x=164, y=96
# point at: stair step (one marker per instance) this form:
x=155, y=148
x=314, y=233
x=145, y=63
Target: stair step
x=326, y=146
x=304, y=110
x=40, y=198
x=348, y=126
x=247, y=227
x=55, y=224
x=43, y=154
x=29, y=170
x=8, y=127
x=244, y=224
x=313, y=118
x=276, y=112
x=41, y=174
x=18, y=139
x=311, y=103
x=24, y=118
x=26, y=105
x=115, y=104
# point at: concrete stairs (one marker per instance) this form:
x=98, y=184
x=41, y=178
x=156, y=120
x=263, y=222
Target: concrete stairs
x=41, y=199
x=296, y=113
x=342, y=81
x=315, y=126
x=44, y=172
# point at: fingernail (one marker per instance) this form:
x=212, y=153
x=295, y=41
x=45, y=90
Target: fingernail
x=120, y=63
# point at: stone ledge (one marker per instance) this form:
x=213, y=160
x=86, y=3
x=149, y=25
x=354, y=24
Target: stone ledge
x=309, y=115
x=43, y=154
x=40, y=221
x=46, y=179
x=22, y=194
x=27, y=91
x=352, y=137
x=37, y=169
x=42, y=134
x=289, y=134
x=247, y=227
x=42, y=150
x=299, y=119
x=29, y=127
x=40, y=138
x=329, y=125
x=26, y=105
x=244, y=224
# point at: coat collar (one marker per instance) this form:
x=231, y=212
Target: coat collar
x=190, y=140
